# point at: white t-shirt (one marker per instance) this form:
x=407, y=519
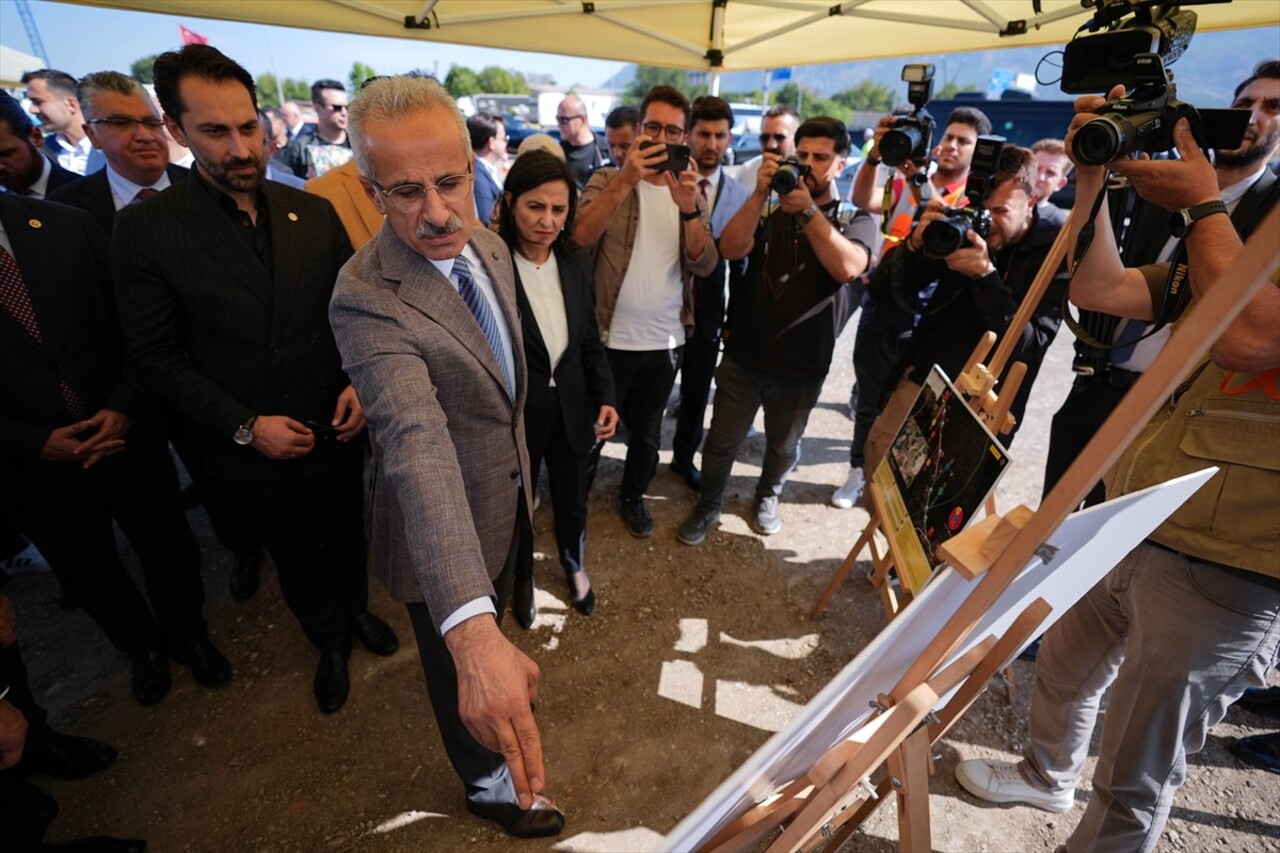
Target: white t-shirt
x=647, y=314
x=542, y=286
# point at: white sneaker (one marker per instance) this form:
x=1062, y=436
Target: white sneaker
x=1002, y=782
x=848, y=495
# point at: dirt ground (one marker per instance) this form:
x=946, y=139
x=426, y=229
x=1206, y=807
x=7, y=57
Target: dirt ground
x=255, y=767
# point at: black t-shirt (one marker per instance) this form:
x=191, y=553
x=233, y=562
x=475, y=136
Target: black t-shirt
x=786, y=313
x=583, y=160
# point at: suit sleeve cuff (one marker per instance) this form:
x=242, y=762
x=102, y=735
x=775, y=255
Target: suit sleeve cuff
x=474, y=607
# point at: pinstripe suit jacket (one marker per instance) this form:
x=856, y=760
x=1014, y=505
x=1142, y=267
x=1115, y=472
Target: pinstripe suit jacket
x=448, y=440
x=210, y=333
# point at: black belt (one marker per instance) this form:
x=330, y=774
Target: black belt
x=1116, y=377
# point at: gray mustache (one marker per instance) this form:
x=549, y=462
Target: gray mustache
x=452, y=225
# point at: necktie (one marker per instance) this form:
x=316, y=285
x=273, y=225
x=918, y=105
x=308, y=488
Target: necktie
x=705, y=185
x=479, y=306
x=15, y=297
x=144, y=194
x=1130, y=331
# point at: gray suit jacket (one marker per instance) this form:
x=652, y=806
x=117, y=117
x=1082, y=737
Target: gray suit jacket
x=448, y=441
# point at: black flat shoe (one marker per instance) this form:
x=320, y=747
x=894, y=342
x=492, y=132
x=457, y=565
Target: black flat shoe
x=151, y=679
x=332, y=683
x=540, y=821
x=585, y=605
x=374, y=634
x=207, y=664
x=65, y=756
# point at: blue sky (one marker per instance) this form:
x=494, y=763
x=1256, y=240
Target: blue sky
x=81, y=39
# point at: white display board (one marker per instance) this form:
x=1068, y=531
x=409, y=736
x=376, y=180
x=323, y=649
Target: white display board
x=1084, y=548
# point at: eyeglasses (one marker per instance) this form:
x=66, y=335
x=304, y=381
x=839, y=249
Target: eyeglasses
x=407, y=198
x=126, y=123
x=766, y=138
x=337, y=108
x=655, y=129
x=567, y=119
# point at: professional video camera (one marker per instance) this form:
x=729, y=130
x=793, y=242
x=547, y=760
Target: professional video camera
x=1134, y=53
x=912, y=135
x=944, y=236
x=790, y=172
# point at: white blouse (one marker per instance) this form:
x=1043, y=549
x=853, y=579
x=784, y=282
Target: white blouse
x=542, y=287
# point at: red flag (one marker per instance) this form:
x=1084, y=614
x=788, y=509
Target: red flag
x=189, y=37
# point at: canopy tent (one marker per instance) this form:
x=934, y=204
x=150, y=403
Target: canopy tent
x=707, y=35
x=15, y=63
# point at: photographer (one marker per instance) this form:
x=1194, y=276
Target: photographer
x=783, y=318
x=884, y=327
x=979, y=288
x=1190, y=617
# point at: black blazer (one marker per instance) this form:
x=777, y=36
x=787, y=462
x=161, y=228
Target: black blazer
x=211, y=334
x=584, y=382
x=58, y=178
x=63, y=258
x=93, y=193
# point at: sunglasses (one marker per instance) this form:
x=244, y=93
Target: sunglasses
x=779, y=138
x=337, y=108
x=566, y=119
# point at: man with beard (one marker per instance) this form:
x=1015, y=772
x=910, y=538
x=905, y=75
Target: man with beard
x=1249, y=189
x=224, y=283
x=24, y=170
x=777, y=136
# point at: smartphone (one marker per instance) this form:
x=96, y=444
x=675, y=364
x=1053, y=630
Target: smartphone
x=677, y=157
x=322, y=432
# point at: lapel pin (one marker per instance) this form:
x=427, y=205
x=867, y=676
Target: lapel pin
x=35, y=223
x=293, y=217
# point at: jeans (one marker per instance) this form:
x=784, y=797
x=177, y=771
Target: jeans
x=643, y=381
x=1177, y=640
x=740, y=392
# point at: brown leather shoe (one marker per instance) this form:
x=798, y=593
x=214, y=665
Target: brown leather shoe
x=540, y=821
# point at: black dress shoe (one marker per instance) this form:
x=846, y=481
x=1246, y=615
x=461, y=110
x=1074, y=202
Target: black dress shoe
x=245, y=575
x=636, y=515
x=332, y=682
x=151, y=679
x=522, y=605
x=64, y=756
x=540, y=821
x=585, y=605
x=207, y=665
x=374, y=634
x=689, y=472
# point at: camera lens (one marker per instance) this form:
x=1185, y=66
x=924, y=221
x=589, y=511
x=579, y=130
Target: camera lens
x=1100, y=140
x=896, y=145
x=943, y=236
x=785, y=179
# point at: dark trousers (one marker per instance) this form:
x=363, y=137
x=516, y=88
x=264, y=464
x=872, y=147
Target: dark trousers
x=876, y=350
x=567, y=472
x=699, y=364
x=67, y=512
x=483, y=772
x=227, y=515
x=1082, y=414
x=643, y=381
x=313, y=527
x=13, y=672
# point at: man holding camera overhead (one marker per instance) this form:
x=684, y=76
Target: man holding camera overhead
x=649, y=211
x=980, y=282
x=783, y=317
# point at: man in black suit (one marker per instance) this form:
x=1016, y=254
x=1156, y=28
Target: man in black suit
x=24, y=169
x=224, y=285
x=122, y=122
x=80, y=448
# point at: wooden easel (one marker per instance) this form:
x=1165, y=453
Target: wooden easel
x=976, y=382
x=818, y=810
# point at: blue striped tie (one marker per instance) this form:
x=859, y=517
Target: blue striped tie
x=484, y=315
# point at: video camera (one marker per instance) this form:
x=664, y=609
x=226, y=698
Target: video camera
x=912, y=135
x=944, y=236
x=1134, y=53
x=790, y=172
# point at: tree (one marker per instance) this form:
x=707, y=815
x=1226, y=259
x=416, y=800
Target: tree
x=499, y=81
x=359, y=74
x=297, y=90
x=461, y=80
x=867, y=95
x=648, y=76
x=140, y=70
x=269, y=91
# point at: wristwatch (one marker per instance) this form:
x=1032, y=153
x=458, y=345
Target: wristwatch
x=690, y=216
x=803, y=217
x=1180, y=222
x=244, y=433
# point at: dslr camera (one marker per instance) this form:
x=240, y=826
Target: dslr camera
x=911, y=137
x=790, y=172
x=1134, y=53
x=944, y=236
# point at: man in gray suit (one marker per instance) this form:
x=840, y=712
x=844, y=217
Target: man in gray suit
x=425, y=319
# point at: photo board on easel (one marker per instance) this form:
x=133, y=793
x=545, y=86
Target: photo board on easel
x=941, y=467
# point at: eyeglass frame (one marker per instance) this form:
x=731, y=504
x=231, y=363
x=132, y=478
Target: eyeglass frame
x=670, y=132
x=566, y=119
x=126, y=123
x=773, y=137
x=393, y=198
